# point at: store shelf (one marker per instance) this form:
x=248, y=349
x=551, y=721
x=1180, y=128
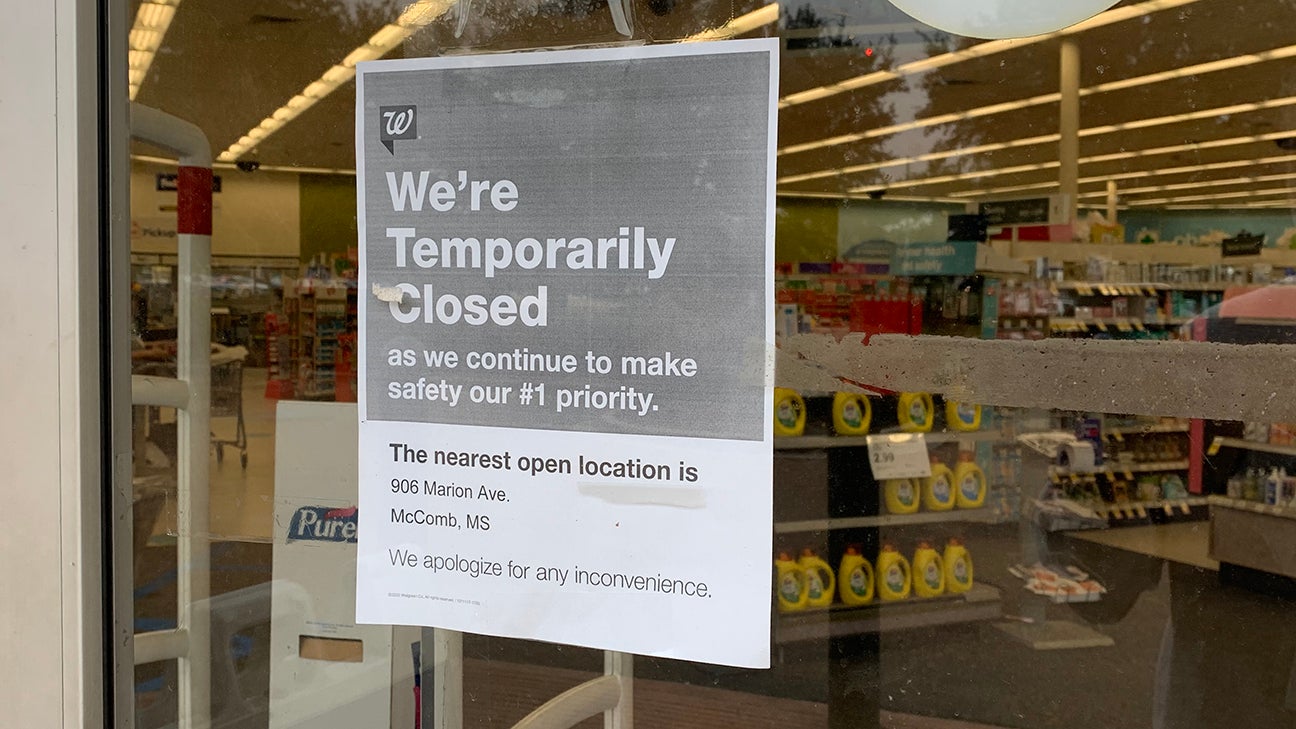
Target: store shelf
x=1146, y=429
x=982, y=602
x=1140, y=289
x=1118, y=323
x=1282, y=450
x=1141, y=509
x=1205, y=286
x=979, y=516
x=1286, y=512
x=1088, y=288
x=815, y=442
x=1112, y=469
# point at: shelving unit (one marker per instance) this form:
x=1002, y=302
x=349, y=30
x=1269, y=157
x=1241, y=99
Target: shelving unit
x=1286, y=512
x=1118, y=490
x=318, y=313
x=1143, y=509
x=982, y=602
x=1140, y=289
x=815, y=442
x=826, y=498
x=1130, y=310
x=1123, y=430
x=1253, y=535
x=982, y=515
x=1116, y=470
x=1123, y=324
x=1282, y=450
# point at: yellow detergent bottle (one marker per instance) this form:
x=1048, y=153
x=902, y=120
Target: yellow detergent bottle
x=819, y=578
x=791, y=585
x=938, y=488
x=969, y=482
x=852, y=413
x=961, y=416
x=916, y=412
x=901, y=495
x=929, y=572
x=893, y=578
x=855, y=580
x=958, y=568
x=789, y=412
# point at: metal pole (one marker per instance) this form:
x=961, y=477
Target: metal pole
x=1069, y=125
x=447, y=679
x=620, y=665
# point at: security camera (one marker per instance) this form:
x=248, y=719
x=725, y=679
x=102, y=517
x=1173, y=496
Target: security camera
x=248, y=165
x=876, y=194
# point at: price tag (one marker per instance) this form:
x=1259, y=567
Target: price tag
x=899, y=455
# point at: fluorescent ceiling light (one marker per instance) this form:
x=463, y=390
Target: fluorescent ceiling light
x=974, y=175
x=414, y=17
x=930, y=121
x=1291, y=191
x=928, y=157
x=1164, y=171
x=1187, y=169
x=1223, y=64
x=1190, y=116
x=151, y=23
x=291, y=169
x=1129, y=154
x=742, y=24
x=890, y=198
x=979, y=50
x=969, y=194
x=1196, y=185
x=1050, y=98
x=1237, y=206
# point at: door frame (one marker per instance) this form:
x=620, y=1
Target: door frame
x=56, y=459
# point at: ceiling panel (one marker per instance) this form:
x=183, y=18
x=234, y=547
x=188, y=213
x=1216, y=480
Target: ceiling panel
x=227, y=64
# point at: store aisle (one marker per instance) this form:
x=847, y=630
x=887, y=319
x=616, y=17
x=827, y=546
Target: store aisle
x=242, y=500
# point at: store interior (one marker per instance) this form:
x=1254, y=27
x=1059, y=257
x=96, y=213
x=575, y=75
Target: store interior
x=1127, y=182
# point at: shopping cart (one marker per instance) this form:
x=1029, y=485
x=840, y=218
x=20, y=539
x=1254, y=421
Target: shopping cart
x=227, y=398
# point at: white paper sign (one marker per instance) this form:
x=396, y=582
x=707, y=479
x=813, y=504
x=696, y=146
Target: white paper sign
x=899, y=455
x=566, y=321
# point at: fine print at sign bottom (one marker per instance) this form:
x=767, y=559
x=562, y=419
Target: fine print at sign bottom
x=898, y=455
x=598, y=541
